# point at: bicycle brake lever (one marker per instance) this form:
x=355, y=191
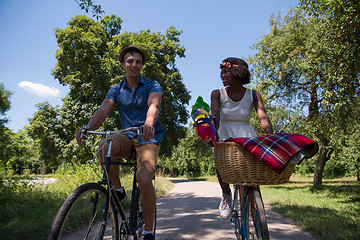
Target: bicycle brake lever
x=139, y=132
x=83, y=134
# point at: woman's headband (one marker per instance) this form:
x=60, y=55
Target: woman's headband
x=227, y=64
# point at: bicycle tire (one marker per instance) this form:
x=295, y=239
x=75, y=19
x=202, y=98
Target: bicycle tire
x=155, y=217
x=236, y=217
x=256, y=223
x=79, y=218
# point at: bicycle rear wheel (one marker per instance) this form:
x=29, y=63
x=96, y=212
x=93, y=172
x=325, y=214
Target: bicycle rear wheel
x=81, y=215
x=256, y=224
x=136, y=220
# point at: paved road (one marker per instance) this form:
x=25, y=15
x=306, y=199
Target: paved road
x=189, y=211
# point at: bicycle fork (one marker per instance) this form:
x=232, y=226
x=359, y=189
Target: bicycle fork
x=243, y=212
x=239, y=215
x=236, y=218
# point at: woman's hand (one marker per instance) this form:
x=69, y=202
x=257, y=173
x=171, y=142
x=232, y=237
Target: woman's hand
x=210, y=143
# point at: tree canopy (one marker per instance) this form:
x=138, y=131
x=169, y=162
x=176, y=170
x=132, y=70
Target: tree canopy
x=4, y=103
x=87, y=62
x=310, y=63
x=5, y=140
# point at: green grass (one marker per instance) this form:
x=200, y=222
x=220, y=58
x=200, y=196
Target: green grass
x=331, y=211
x=27, y=211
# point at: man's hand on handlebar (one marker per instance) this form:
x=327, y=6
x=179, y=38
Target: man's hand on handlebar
x=81, y=134
x=148, y=132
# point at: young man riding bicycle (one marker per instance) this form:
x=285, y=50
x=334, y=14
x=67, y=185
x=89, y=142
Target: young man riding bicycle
x=138, y=101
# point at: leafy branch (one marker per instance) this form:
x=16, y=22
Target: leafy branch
x=88, y=4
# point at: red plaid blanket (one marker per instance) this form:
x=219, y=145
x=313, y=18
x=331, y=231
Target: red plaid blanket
x=277, y=150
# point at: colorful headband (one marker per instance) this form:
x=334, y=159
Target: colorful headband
x=226, y=64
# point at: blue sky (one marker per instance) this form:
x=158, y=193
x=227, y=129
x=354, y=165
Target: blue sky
x=212, y=31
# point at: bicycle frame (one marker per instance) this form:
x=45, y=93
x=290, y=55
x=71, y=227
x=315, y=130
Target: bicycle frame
x=130, y=225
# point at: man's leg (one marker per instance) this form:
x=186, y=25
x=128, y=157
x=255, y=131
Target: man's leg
x=121, y=147
x=146, y=162
x=147, y=195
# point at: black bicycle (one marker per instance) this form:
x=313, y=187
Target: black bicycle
x=92, y=211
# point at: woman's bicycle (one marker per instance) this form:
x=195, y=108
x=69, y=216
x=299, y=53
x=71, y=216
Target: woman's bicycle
x=237, y=166
x=92, y=210
x=249, y=216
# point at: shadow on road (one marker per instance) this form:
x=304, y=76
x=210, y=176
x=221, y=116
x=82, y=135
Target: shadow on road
x=180, y=180
x=190, y=211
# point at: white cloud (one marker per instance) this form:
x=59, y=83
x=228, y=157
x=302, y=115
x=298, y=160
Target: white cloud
x=39, y=89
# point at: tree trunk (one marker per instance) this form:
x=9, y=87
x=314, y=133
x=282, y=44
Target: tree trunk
x=324, y=156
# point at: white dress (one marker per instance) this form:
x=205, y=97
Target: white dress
x=235, y=116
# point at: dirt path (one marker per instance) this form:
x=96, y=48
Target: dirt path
x=190, y=211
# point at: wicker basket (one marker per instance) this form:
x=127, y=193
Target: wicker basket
x=238, y=166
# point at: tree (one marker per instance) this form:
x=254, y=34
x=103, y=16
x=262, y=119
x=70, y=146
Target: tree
x=45, y=128
x=5, y=139
x=13, y=146
x=87, y=62
x=4, y=103
x=283, y=118
x=191, y=157
x=295, y=66
x=21, y=153
x=341, y=31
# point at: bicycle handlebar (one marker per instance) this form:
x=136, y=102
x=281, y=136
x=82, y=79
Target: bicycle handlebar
x=109, y=133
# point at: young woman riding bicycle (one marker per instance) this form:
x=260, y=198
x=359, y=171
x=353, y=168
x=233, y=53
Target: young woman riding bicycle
x=232, y=107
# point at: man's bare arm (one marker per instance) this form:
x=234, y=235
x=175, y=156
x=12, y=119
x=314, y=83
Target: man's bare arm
x=154, y=102
x=98, y=117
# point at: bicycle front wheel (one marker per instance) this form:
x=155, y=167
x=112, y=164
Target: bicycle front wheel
x=81, y=215
x=236, y=217
x=256, y=224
